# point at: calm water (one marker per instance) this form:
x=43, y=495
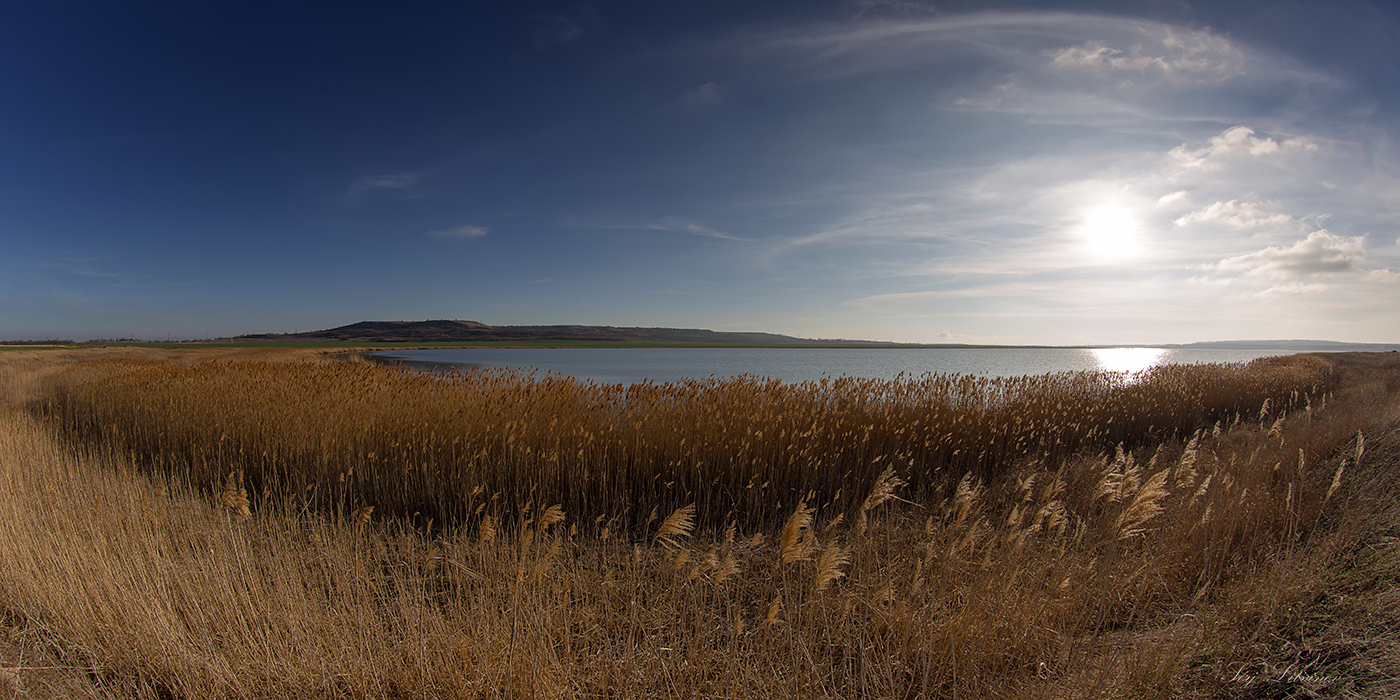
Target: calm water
x=630, y=365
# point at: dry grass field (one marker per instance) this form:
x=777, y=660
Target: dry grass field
x=283, y=524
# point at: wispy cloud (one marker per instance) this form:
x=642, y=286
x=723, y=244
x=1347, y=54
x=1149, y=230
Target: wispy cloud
x=1161, y=53
x=553, y=30
x=819, y=52
x=922, y=209
x=390, y=183
x=1235, y=215
x=1292, y=289
x=700, y=97
x=95, y=268
x=985, y=290
x=667, y=223
x=86, y=267
x=694, y=228
x=459, y=232
x=1050, y=65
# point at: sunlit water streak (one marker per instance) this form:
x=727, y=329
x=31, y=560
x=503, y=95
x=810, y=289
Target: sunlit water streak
x=631, y=365
x=1129, y=360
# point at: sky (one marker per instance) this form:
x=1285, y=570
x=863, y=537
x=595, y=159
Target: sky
x=943, y=172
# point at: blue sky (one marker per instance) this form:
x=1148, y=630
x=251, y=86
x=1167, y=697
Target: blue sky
x=990, y=172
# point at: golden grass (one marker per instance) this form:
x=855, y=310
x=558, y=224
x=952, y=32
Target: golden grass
x=340, y=435
x=1054, y=564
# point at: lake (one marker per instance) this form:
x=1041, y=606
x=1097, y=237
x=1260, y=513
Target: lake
x=631, y=365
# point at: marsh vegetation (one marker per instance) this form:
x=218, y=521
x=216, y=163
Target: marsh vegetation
x=292, y=526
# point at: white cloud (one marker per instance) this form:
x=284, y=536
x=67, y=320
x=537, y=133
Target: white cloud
x=1233, y=143
x=1173, y=198
x=1321, y=253
x=1235, y=215
x=459, y=232
x=1159, y=52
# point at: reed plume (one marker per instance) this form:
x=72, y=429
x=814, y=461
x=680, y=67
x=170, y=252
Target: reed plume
x=881, y=491
x=1336, y=481
x=796, y=543
x=1145, y=505
x=678, y=524
x=362, y=515
x=234, y=497
x=829, y=564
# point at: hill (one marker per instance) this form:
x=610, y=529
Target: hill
x=451, y=331
x=470, y=332
x=1293, y=345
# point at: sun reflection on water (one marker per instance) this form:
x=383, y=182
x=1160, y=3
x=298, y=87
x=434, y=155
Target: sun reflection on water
x=1130, y=360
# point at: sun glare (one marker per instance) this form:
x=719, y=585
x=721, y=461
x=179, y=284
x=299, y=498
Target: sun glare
x=1110, y=231
x=1129, y=360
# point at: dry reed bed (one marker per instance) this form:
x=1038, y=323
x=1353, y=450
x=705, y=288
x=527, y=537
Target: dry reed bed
x=1036, y=582
x=342, y=436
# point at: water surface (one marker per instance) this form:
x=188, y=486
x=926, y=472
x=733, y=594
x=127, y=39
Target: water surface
x=631, y=365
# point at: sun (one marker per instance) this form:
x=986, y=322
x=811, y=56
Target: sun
x=1110, y=231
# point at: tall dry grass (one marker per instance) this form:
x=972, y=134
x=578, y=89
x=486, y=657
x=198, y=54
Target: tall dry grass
x=443, y=446
x=1049, y=573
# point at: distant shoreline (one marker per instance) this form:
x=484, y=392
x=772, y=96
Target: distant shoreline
x=1304, y=346
x=459, y=334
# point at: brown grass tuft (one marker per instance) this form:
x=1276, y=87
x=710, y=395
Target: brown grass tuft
x=829, y=565
x=796, y=542
x=677, y=524
x=234, y=497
